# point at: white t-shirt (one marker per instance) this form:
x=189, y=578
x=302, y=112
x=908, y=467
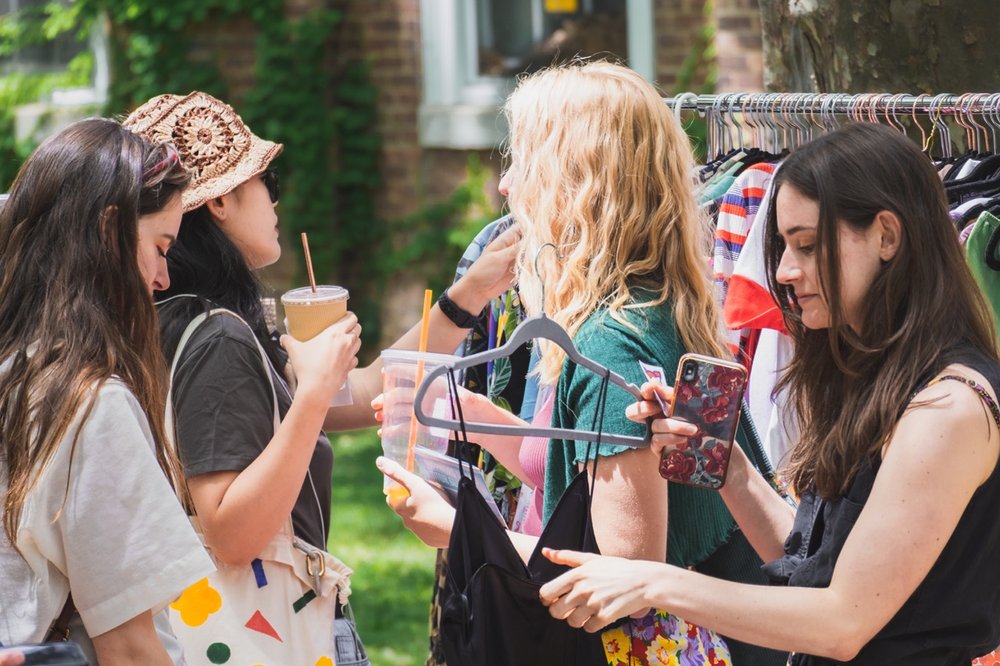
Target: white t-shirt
x=110, y=523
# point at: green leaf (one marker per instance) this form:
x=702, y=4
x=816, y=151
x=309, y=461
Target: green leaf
x=501, y=377
x=501, y=402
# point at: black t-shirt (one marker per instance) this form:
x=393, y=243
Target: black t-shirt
x=225, y=417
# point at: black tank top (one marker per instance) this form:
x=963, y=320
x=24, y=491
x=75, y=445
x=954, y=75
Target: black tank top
x=954, y=614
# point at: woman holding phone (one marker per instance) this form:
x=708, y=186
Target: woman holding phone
x=600, y=169
x=891, y=557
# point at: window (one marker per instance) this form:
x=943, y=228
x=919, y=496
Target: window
x=473, y=49
x=526, y=36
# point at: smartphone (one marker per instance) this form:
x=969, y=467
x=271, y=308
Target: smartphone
x=708, y=392
x=61, y=653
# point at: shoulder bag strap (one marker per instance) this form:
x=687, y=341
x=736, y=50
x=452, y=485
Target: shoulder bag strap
x=185, y=338
x=59, y=631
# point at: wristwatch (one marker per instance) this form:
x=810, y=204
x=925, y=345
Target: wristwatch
x=458, y=316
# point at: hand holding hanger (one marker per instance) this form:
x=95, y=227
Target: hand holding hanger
x=655, y=405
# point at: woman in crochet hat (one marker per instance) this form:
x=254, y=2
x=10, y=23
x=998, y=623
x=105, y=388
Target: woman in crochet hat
x=245, y=476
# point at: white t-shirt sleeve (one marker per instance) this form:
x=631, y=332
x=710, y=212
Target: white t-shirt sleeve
x=125, y=542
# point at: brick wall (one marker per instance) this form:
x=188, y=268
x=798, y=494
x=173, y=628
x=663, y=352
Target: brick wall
x=738, y=43
x=231, y=47
x=676, y=26
x=387, y=35
x=738, y=46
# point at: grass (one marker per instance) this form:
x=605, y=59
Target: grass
x=393, y=570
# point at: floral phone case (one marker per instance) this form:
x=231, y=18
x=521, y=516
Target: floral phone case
x=708, y=392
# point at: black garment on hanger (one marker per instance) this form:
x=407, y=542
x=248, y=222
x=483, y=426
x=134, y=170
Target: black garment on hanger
x=491, y=613
x=983, y=181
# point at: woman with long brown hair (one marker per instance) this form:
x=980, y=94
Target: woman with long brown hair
x=891, y=557
x=85, y=472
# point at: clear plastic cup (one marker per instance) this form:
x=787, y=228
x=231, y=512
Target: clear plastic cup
x=308, y=313
x=399, y=372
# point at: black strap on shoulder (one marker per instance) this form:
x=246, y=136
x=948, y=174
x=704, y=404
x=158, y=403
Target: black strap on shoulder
x=59, y=631
x=983, y=394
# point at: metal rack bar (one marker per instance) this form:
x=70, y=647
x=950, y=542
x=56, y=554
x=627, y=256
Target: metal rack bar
x=837, y=102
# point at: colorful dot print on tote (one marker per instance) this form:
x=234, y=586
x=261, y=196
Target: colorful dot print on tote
x=279, y=609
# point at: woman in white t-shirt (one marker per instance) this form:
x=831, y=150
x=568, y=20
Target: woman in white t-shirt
x=85, y=476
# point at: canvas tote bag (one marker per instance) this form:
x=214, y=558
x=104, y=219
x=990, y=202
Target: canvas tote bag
x=279, y=609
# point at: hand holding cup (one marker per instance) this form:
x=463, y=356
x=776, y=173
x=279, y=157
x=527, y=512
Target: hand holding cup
x=322, y=363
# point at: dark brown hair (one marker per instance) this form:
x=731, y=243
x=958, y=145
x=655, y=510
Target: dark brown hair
x=75, y=310
x=851, y=387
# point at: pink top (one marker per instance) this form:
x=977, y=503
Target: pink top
x=532, y=458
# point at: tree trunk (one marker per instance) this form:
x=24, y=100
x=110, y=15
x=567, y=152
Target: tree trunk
x=854, y=46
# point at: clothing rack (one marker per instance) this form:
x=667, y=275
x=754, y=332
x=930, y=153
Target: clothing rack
x=839, y=102
x=787, y=119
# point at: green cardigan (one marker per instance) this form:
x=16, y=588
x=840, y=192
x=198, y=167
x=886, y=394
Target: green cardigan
x=698, y=521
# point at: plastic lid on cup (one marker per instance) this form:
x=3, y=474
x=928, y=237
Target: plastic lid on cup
x=324, y=293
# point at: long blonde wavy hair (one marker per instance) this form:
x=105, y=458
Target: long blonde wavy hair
x=601, y=169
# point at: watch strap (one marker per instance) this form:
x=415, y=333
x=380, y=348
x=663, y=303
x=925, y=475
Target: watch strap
x=458, y=316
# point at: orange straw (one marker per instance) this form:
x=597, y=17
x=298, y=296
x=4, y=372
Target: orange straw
x=309, y=263
x=425, y=324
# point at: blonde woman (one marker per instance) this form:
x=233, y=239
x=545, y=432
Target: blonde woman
x=600, y=169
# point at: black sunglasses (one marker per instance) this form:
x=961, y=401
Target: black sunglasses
x=270, y=178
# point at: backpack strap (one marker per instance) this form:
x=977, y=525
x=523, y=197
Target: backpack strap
x=59, y=631
x=754, y=448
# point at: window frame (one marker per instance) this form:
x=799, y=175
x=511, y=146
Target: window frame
x=459, y=108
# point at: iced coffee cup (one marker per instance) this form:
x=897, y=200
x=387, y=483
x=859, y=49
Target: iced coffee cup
x=308, y=313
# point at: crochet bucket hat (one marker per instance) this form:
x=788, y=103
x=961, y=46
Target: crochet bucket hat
x=214, y=143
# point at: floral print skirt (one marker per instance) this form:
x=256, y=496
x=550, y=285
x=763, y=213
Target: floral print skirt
x=662, y=639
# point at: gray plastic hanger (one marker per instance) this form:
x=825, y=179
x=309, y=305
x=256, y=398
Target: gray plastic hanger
x=532, y=328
